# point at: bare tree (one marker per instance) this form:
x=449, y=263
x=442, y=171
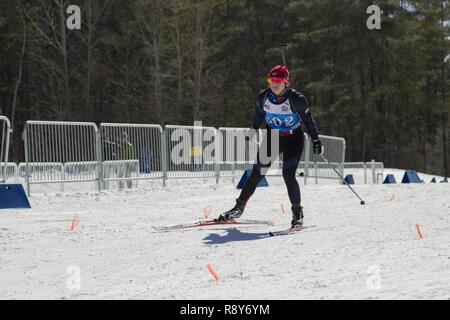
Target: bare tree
x=95, y=11
x=176, y=26
x=19, y=77
x=203, y=11
x=151, y=32
x=444, y=117
x=50, y=24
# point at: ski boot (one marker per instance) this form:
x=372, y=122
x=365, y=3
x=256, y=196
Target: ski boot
x=234, y=213
x=297, y=216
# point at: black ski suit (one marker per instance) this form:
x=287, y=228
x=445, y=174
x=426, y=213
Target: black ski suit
x=296, y=114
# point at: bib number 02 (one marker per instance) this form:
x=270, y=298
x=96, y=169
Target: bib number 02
x=277, y=122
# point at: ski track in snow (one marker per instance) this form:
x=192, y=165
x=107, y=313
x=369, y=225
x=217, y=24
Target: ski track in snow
x=121, y=256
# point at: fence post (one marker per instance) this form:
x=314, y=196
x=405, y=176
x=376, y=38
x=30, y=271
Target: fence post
x=307, y=155
x=217, y=153
x=373, y=171
x=343, y=160
x=63, y=175
x=6, y=146
x=365, y=172
x=98, y=148
x=16, y=173
x=316, y=172
x=379, y=177
x=8, y=135
x=164, y=153
x=27, y=168
x=233, y=170
x=235, y=156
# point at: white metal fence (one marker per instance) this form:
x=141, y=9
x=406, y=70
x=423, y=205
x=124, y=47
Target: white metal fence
x=365, y=171
x=238, y=154
x=68, y=156
x=5, y=133
x=316, y=168
x=10, y=173
x=51, y=145
x=131, y=152
x=191, y=152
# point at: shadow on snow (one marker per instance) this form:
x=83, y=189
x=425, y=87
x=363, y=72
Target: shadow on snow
x=232, y=235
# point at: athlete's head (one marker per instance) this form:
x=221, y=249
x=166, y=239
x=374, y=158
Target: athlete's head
x=278, y=79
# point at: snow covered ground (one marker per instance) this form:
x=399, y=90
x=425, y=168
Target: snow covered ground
x=354, y=252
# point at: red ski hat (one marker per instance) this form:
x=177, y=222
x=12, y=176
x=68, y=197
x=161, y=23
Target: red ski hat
x=279, y=73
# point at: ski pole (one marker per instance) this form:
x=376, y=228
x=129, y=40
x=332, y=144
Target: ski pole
x=282, y=47
x=331, y=166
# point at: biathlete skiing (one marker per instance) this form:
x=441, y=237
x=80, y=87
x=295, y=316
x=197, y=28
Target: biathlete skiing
x=284, y=110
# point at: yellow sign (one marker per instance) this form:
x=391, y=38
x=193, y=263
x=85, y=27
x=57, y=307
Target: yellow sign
x=196, y=151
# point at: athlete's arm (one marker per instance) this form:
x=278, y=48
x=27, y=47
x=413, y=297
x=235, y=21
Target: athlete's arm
x=302, y=108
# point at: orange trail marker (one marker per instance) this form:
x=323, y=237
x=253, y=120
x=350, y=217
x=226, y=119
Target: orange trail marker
x=212, y=272
x=282, y=208
x=418, y=231
x=206, y=213
x=74, y=224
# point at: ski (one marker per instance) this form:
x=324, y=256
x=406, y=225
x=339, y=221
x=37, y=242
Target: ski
x=205, y=223
x=289, y=231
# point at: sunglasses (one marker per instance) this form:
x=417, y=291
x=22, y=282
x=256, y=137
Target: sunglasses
x=271, y=80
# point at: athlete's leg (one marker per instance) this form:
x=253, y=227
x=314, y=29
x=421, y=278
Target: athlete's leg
x=292, y=185
x=292, y=148
x=251, y=183
x=292, y=152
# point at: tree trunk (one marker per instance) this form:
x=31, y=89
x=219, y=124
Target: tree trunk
x=157, y=65
x=198, y=64
x=179, y=69
x=200, y=54
x=19, y=77
x=444, y=143
x=444, y=96
x=89, y=60
x=64, y=109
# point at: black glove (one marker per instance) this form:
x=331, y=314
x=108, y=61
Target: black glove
x=318, y=147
